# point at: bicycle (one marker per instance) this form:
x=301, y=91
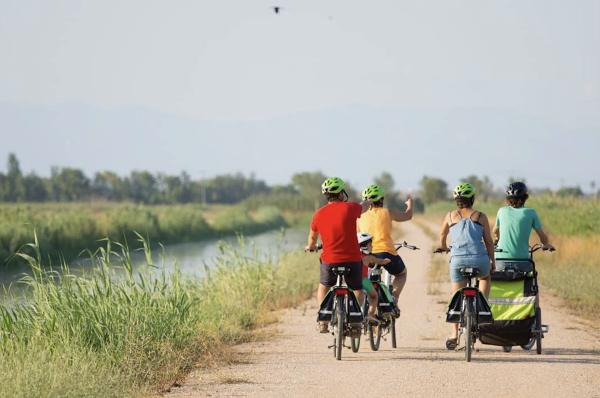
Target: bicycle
x=340, y=324
x=468, y=316
x=386, y=305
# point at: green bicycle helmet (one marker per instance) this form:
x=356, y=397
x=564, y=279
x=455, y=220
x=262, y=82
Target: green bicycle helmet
x=464, y=190
x=333, y=185
x=373, y=192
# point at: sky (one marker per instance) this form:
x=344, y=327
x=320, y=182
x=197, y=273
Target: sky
x=351, y=88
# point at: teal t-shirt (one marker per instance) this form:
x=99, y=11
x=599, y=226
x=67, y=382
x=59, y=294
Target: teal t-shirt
x=515, y=226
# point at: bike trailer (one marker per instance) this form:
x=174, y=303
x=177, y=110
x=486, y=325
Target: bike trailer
x=513, y=299
x=484, y=313
x=355, y=314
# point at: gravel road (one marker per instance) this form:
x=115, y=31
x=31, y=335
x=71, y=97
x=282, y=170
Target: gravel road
x=297, y=363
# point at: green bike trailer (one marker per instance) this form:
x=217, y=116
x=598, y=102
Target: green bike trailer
x=514, y=303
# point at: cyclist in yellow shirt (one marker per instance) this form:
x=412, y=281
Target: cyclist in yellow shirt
x=377, y=222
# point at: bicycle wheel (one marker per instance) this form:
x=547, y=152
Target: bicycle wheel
x=468, y=329
x=538, y=328
x=365, y=312
x=375, y=336
x=355, y=343
x=506, y=348
x=393, y=331
x=339, y=331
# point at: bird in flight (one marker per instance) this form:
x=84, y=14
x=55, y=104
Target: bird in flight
x=276, y=9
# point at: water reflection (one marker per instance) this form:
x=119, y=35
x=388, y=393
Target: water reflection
x=191, y=258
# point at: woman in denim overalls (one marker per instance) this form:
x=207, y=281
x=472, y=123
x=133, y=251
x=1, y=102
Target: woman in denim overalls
x=472, y=244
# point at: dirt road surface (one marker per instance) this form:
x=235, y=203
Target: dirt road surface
x=297, y=363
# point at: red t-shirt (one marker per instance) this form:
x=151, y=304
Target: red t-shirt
x=336, y=224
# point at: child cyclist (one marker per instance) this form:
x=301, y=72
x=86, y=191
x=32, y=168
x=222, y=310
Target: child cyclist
x=365, y=241
x=514, y=224
x=335, y=223
x=377, y=222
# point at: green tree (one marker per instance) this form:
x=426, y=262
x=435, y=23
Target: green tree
x=483, y=186
x=16, y=187
x=109, y=185
x=143, y=187
x=69, y=184
x=36, y=189
x=433, y=189
x=308, y=185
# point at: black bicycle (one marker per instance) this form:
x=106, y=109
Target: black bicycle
x=386, y=305
x=346, y=316
x=465, y=311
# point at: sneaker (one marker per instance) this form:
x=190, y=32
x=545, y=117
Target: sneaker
x=372, y=320
x=323, y=327
x=451, y=343
x=396, y=312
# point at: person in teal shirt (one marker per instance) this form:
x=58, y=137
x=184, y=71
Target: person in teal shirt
x=514, y=224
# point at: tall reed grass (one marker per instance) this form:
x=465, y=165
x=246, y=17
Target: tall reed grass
x=114, y=332
x=69, y=228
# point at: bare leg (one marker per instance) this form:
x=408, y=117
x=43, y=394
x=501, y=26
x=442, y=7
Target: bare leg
x=359, y=295
x=485, y=285
x=373, y=302
x=321, y=292
x=455, y=287
x=398, y=284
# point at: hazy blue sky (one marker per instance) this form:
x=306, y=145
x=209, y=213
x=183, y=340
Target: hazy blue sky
x=445, y=88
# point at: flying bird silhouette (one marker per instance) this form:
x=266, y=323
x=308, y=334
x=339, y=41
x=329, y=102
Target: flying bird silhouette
x=276, y=9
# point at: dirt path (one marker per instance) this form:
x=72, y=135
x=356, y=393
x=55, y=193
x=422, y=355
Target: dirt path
x=297, y=363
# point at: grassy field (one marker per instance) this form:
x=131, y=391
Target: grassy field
x=573, y=271
x=99, y=335
x=67, y=229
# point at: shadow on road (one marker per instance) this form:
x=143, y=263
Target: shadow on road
x=486, y=355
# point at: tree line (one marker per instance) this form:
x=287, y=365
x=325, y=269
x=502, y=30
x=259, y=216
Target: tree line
x=67, y=184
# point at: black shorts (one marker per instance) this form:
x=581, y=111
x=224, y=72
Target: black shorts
x=396, y=266
x=353, y=277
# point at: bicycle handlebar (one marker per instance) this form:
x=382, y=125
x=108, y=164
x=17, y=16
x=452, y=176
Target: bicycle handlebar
x=405, y=245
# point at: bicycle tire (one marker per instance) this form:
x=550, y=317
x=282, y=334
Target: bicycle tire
x=393, y=331
x=507, y=348
x=468, y=330
x=339, y=333
x=538, y=327
x=355, y=343
x=375, y=336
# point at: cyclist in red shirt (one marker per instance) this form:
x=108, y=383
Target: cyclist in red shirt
x=335, y=223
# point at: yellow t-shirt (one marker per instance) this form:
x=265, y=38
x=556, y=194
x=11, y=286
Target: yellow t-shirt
x=377, y=222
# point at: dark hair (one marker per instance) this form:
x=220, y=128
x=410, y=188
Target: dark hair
x=464, y=203
x=379, y=203
x=336, y=197
x=517, y=202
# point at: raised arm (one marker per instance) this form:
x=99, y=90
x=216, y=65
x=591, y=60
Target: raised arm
x=406, y=215
x=487, y=239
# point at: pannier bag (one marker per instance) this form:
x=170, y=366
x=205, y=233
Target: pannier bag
x=513, y=303
x=326, y=309
x=484, y=313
